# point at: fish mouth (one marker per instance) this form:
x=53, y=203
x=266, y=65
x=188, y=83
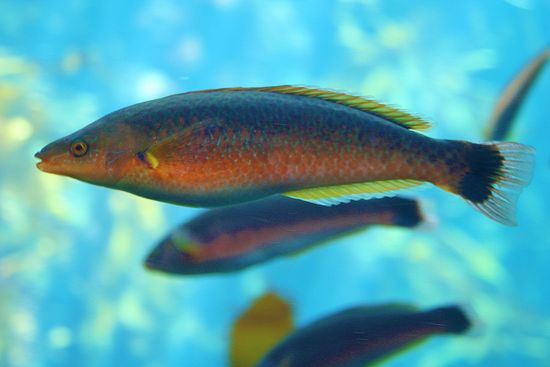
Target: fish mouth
x=41, y=163
x=166, y=258
x=152, y=262
x=154, y=259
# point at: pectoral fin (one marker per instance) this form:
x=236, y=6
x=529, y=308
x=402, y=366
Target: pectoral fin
x=176, y=147
x=149, y=159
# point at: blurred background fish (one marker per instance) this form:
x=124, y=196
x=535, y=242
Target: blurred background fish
x=509, y=104
x=232, y=238
x=259, y=328
x=356, y=336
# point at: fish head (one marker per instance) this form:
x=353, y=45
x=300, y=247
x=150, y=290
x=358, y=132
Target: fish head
x=175, y=254
x=93, y=154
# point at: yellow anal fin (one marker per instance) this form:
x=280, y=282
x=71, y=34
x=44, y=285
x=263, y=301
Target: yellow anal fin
x=333, y=195
x=385, y=111
x=268, y=320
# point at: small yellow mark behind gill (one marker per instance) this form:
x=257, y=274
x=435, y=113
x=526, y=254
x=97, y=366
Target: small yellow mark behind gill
x=151, y=160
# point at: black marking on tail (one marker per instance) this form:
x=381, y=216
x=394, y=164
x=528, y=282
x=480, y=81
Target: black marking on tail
x=484, y=163
x=495, y=175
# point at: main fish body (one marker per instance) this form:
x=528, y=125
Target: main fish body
x=244, y=145
x=232, y=238
x=222, y=147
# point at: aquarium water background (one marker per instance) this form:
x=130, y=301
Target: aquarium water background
x=73, y=291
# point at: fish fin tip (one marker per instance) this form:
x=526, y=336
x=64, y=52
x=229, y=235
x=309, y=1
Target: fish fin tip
x=409, y=213
x=513, y=97
x=473, y=326
x=429, y=219
x=456, y=319
x=498, y=173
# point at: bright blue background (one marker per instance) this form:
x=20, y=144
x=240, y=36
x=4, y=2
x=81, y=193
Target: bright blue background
x=72, y=288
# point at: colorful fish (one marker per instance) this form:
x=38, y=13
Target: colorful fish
x=227, y=146
x=356, y=336
x=512, y=98
x=235, y=237
x=266, y=322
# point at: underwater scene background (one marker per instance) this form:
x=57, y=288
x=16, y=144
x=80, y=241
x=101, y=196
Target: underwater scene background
x=73, y=290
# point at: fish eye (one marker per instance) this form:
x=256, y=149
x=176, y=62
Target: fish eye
x=79, y=148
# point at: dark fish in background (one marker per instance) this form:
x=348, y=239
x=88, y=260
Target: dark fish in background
x=235, y=237
x=363, y=335
x=357, y=336
x=511, y=100
x=227, y=146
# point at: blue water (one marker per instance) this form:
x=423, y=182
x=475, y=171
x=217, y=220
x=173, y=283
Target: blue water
x=72, y=287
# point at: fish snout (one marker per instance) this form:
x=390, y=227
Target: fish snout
x=151, y=261
x=167, y=258
x=40, y=155
x=156, y=260
x=49, y=157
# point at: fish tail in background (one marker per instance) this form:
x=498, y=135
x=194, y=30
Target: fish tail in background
x=512, y=98
x=267, y=321
x=408, y=213
x=452, y=318
x=495, y=175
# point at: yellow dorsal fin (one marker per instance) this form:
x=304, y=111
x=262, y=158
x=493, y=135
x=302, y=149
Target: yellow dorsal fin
x=332, y=195
x=268, y=320
x=387, y=112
